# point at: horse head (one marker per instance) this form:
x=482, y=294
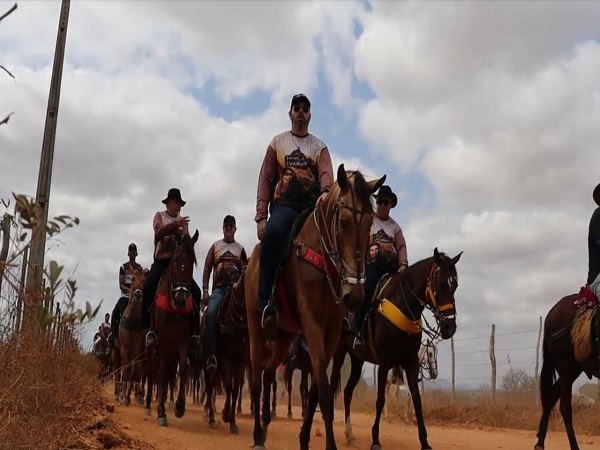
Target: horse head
x=442, y=283
x=135, y=294
x=182, y=270
x=347, y=214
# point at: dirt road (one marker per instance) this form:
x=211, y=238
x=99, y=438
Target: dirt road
x=192, y=432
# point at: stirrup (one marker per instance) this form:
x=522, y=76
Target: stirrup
x=359, y=343
x=150, y=338
x=269, y=319
x=211, y=363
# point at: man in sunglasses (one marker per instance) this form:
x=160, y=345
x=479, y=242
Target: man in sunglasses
x=226, y=260
x=388, y=254
x=296, y=174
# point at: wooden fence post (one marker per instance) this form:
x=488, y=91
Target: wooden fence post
x=453, y=371
x=21, y=296
x=537, y=365
x=493, y=361
x=5, y=246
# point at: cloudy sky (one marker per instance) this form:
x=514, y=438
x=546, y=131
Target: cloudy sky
x=480, y=113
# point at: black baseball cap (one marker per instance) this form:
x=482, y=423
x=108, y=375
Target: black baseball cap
x=300, y=98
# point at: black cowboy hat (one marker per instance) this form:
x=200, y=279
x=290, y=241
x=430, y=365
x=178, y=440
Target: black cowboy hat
x=300, y=98
x=175, y=195
x=386, y=192
x=596, y=195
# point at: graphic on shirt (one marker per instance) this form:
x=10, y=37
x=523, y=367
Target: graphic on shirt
x=227, y=268
x=386, y=252
x=127, y=270
x=297, y=179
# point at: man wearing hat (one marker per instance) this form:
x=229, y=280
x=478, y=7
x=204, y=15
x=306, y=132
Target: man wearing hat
x=167, y=224
x=226, y=259
x=125, y=276
x=593, y=278
x=296, y=174
x=387, y=253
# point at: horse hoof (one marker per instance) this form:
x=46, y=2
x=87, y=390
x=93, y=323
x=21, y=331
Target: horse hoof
x=376, y=447
x=351, y=441
x=179, y=413
x=125, y=402
x=259, y=447
x=147, y=412
x=139, y=401
x=239, y=411
x=538, y=447
x=273, y=414
x=289, y=415
x=213, y=425
x=162, y=421
x=234, y=429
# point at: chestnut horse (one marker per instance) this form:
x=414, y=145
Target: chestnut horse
x=321, y=278
x=172, y=323
x=131, y=340
x=394, y=332
x=559, y=358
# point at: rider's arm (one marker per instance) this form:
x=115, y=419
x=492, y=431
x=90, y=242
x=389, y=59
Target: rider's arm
x=122, y=284
x=400, y=243
x=161, y=230
x=595, y=227
x=325, y=170
x=208, y=265
x=266, y=184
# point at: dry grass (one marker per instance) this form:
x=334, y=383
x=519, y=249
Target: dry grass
x=478, y=410
x=51, y=399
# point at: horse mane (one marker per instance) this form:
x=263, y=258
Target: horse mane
x=445, y=259
x=361, y=187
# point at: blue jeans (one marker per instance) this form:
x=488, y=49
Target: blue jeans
x=373, y=274
x=212, y=311
x=277, y=231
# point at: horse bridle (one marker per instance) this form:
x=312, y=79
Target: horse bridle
x=178, y=286
x=331, y=249
x=432, y=305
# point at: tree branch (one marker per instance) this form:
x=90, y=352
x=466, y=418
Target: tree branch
x=5, y=120
x=8, y=13
x=8, y=72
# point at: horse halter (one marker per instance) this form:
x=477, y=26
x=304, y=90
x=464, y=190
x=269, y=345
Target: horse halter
x=331, y=248
x=178, y=286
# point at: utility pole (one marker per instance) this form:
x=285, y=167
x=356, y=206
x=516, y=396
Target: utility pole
x=38, y=241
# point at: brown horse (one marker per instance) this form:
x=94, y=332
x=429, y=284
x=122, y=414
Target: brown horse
x=172, y=323
x=102, y=352
x=303, y=364
x=232, y=352
x=394, y=332
x=324, y=274
x=559, y=357
x=131, y=339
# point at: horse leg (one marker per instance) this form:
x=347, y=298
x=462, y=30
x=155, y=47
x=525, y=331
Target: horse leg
x=547, y=407
x=149, y=388
x=304, y=390
x=356, y=366
x=307, y=420
x=126, y=382
x=228, y=385
x=240, y=389
x=381, y=388
x=180, y=403
x=412, y=379
x=237, y=391
x=289, y=378
x=163, y=381
x=209, y=380
x=566, y=386
x=274, y=401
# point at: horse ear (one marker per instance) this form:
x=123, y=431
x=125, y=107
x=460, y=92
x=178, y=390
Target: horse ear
x=195, y=237
x=342, y=178
x=376, y=184
x=437, y=256
x=456, y=258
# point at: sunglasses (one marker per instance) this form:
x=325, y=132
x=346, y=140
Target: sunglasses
x=383, y=202
x=304, y=108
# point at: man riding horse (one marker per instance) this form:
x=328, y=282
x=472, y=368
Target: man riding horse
x=168, y=225
x=125, y=275
x=296, y=174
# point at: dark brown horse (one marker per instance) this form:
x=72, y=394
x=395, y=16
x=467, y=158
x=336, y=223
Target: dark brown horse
x=559, y=357
x=321, y=278
x=394, y=333
x=172, y=323
x=232, y=354
x=131, y=339
x=303, y=364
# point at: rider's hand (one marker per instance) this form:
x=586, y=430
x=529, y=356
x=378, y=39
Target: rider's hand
x=205, y=298
x=182, y=221
x=260, y=228
x=321, y=198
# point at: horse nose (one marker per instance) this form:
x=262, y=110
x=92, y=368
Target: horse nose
x=352, y=296
x=448, y=328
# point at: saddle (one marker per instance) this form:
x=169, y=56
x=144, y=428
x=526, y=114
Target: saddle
x=585, y=330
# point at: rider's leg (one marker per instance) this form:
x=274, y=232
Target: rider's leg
x=277, y=230
x=373, y=274
x=115, y=319
x=212, y=311
x=149, y=292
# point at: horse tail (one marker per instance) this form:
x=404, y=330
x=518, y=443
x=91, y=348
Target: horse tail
x=548, y=373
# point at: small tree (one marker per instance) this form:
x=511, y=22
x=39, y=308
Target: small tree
x=518, y=381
